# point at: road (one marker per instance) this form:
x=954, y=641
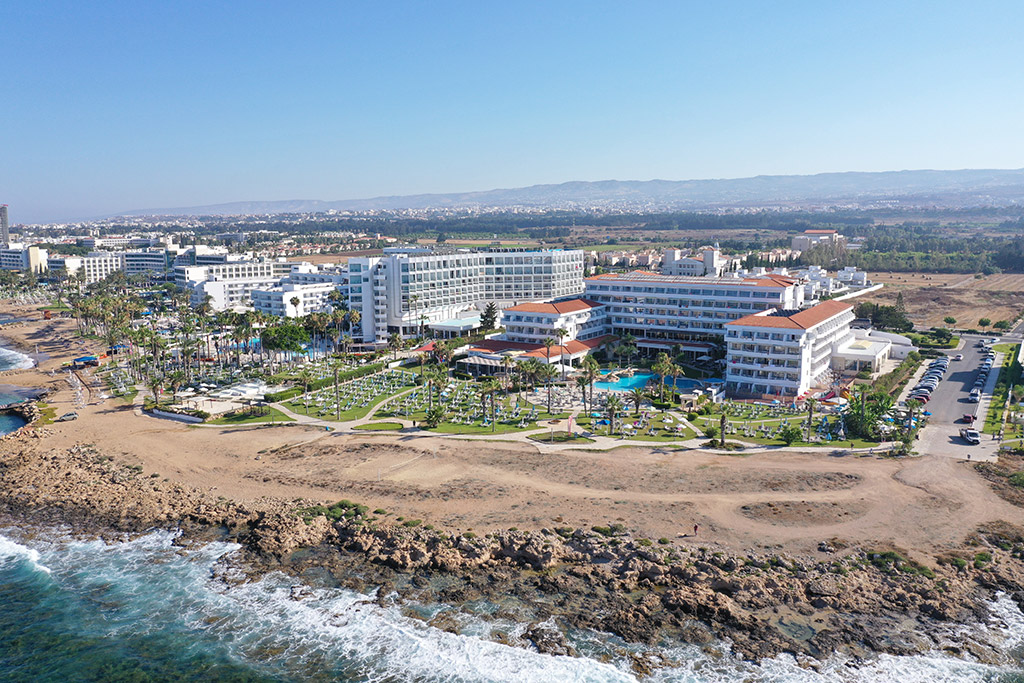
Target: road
x=949, y=402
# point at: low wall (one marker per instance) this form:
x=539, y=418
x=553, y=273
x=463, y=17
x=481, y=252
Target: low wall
x=191, y=419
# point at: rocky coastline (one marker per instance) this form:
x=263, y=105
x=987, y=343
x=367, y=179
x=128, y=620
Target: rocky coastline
x=855, y=601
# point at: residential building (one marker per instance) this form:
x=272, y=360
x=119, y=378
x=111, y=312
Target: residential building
x=29, y=259
x=786, y=353
x=707, y=263
x=408, y=288
x=812, y=238
x=5, y=229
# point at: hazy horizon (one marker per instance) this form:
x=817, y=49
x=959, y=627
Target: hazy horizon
x=125, y=107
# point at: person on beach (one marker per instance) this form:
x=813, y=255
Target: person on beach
x=695, y=529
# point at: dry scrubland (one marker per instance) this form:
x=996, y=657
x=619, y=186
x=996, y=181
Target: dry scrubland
x=931, y=297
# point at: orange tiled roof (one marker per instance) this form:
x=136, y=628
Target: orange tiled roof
x=801, y=320
x=556, y=308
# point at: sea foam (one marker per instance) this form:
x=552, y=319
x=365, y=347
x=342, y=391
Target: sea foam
x=12, y=550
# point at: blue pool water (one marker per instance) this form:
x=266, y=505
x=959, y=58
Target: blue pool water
x=640, y=379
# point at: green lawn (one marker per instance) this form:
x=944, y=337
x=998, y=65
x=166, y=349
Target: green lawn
x=1009, y=373
x=661, y=434
x=243, y=418
x=560, y=437
x=379, y=427
x=477, y=428
x=1004, y=348
x=298, y=406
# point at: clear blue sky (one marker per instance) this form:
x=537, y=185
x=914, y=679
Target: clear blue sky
x=112, y=106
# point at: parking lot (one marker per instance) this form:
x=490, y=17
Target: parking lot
x=950, y=402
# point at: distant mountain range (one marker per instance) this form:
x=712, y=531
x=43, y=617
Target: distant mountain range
x=941, y=189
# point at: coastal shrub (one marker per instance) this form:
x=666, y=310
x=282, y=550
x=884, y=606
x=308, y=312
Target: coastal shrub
x=603, y=530
x=1017, y=479
x=646, y=542
x=663, y=541
x=564, y=531
x=468, y=534
x=711, y=431
x=412, y=522
x=380, y=511
x=691, y=416
x=981, y=559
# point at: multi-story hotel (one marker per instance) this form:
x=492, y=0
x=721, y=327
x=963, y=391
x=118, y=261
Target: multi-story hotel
x=409, y=288
x=307, y=289
x=230, y=285
x=687, y=312
x=786, y=353
x=533, y=323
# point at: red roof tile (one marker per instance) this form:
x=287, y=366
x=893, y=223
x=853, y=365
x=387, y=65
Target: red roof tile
x=809, y=317
x=556, y=308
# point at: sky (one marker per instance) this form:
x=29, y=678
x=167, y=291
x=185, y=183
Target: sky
x=115, y=106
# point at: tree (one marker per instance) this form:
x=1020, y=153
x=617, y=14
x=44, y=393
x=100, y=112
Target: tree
x=305, y=377
x=949, y=320
x=613, y=406
x=789, y=434
x=901, y=307
x=591, y=370
x=561, y=334
x=810, y=417
x=1001, y=325
x=984, y=322
x=434, y=416
x=663, y=367
x=637, y=396
x=489, y=317
x=295, y=301
x=722, y=422
x=395, y=344
x=582, y=382
x=547, y=375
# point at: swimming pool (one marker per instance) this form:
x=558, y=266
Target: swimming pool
x=640, y=379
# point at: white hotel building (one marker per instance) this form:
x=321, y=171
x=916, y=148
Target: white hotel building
x=408, y=288
x=787, y=353
x=664, y=311
x=230, y=285
x=309, y=285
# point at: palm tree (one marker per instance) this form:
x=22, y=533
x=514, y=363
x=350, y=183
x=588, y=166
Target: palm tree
x=489, y=389
x=394, y=344
x=582, y=382
x=613, y=407
x=662, y=366
x=507, y=364
x=547, y=375
x=591, y=370
x=561, y=334
x=530, y=370
x=637, y=395
x=548, y=343
x=723, y=422
x=810, y=417
x=337, y=395
x=294, y=301
x=305, y=377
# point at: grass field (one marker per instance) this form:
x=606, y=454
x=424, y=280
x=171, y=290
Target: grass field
x=272, y=415
x=930, y=297
x=379, y=427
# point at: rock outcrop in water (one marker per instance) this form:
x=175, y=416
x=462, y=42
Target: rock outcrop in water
x=861, y=602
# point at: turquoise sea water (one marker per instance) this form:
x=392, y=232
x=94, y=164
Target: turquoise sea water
x=145, y=610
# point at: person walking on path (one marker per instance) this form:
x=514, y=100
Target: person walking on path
x=695, y=529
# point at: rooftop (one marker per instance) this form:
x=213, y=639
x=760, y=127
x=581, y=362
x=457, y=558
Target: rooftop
x=556, y=308
x=801, y=320
x=768, y=280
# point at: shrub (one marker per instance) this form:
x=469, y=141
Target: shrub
x=959, y=562
x=469, y=534
x=412, y=522
x=663, y=541
x=711, y=431
x=603, y=530
x=645, y=542
x=1017, y=479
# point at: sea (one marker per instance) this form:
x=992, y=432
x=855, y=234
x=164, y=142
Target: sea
x=146, y=609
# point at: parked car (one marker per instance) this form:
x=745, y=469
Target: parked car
x=969, y=418
x=971, y=436
x=68, y=417
x=975, y=395
x=958, y=356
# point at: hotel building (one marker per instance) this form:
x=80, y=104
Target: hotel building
x=409, y=288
